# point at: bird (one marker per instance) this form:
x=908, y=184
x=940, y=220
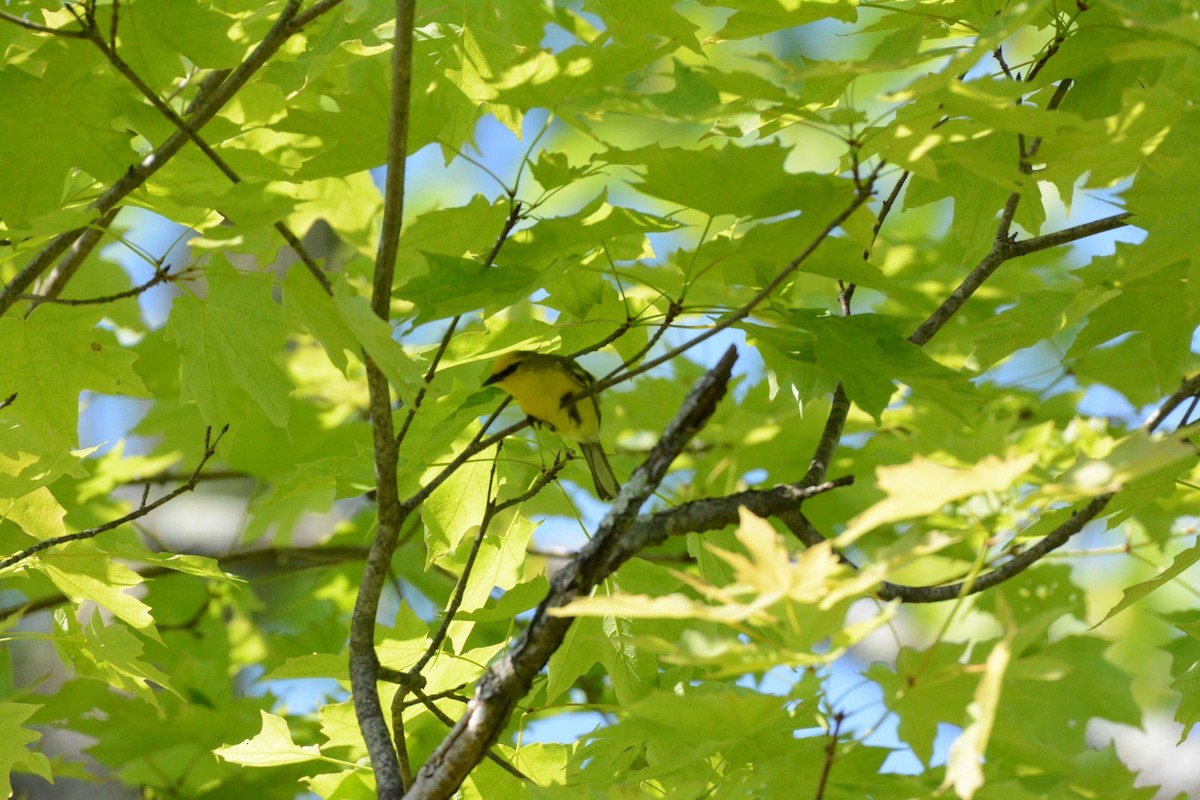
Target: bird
x=548, y=388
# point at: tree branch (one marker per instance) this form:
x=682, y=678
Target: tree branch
x=161, y=275
x=213, y=101
x=1002, y=251
x=92, y=33
x=1019, y=563
x=861, y=195
x=210, y=449
x=511, y=678
x=364, y=664
x=1187, y=389
x=39, y=28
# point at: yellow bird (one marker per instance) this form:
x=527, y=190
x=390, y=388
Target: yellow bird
x=545, y=387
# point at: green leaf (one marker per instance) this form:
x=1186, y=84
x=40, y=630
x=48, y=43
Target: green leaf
x=109, y=654
x=271, y=747
x=931, y=689
x=441, y=293
x=1036, y=316
x=156, y=32
x=922, y=487
x=630, y=19
x=453, y=510
x=521, y=597
x=1187, y=713
x=1137, y=456
x=32, y=130
x=701, y=179
x=13, y=740
x=1139, y=591
x=61, y=355
x=37, y=513
x=758, y=17
x=227, y=342
x=1157, y=303
x=868, y=352
x=964, y=764
x=376, y=337
x=84, y=573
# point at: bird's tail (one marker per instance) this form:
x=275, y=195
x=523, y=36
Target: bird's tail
x=602, y=474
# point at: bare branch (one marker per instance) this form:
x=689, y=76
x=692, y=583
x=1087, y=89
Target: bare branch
x=510, y=679
x=1068, y=235
x=364, y=663
x=861, y=195
x=161, y=275
x=1003, y=251
x=39, y=28
x=210, y=449
x=1189, y=388
x=1019, y=563
x=215, y=96
x=514, y=216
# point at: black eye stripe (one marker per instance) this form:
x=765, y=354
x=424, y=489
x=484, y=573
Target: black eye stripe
x=502, y=374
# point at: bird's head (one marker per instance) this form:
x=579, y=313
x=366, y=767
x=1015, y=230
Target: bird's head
x=506, y=365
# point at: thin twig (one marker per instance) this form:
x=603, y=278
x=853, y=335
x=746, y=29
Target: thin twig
x=830, y=754
x=214, y=95
x=1189, y=388
x=674, y=309
x=112, y=25
x=861, y=195
x=831, y=435
x=1010, y=569
x=39, y=28
x=998, y=54
x=161, y=275
x=514, y=216
x=446, y=720
x=210, y=449
x=1004, y=250
x=399, y=738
